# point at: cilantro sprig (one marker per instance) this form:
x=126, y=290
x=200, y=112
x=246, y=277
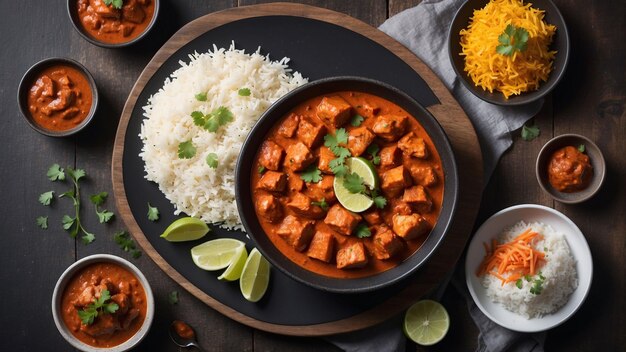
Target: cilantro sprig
x=97, y=200
x=74, y=224
x=153, y=213
x=99, y=306
x=530, y=132
x=186, y=150
x=311, y=174
x=336, y=143
x=356, y=120
x=42, y=221
x=373, y=150
x=322, y=204
x=362, y=231
x=512, y=40
x=126, y=243
x=46, y=197
x=213, y=120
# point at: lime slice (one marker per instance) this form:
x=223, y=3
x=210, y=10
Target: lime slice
x=234, y=270
x=255, y=276
x=185, y=229
x=216, y=254
x=426, y=322
x=357, y=202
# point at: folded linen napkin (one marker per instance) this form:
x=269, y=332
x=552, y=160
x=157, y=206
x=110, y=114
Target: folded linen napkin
x=424, y=30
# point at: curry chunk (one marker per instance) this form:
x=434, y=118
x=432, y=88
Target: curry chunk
x=390, y=127
x=372, y=217
x=289, y=126
x=359, y=139
x=414, y=146
x=324, y=189
x=301, y=205
x=295, y=182
x=342, y=220
x=369, y=110
x=386, y=243
x=352, y=256
x=410, y=226
x=390, y=156
x=394, y=181
x=418, y=198
x=269, y=207
x=298, y=157
x=423, y=175
x=325, y=157
x=334, y=111
x=272, y=181
x=133, y=11
x=271, y=155
x=296, y=232
x=322, y=246
x=309, y=133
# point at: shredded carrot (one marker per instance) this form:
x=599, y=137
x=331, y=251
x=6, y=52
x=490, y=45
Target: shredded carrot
x=512, y=260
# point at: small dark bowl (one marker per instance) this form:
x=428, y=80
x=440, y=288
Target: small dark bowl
x=29, y=78
x=560, y=43
x=244, y=191
x=595, y=158
x=73, y=13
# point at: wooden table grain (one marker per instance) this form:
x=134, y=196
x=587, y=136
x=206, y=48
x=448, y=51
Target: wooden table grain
x=591, y=100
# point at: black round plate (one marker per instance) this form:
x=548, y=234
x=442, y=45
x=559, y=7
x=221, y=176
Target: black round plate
x=317, y=49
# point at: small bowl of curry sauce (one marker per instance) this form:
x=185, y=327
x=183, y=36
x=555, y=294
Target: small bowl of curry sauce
x=570, y=168
x=58, y=97
x=103, y=302
x=115, y=23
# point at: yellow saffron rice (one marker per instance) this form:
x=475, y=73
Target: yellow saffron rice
x=521, y=72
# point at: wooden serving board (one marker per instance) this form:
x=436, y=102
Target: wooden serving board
x=443, y=106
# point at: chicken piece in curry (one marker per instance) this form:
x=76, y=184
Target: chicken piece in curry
x=298, y=162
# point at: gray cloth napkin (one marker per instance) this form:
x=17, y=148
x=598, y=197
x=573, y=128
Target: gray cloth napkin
x=424, y=30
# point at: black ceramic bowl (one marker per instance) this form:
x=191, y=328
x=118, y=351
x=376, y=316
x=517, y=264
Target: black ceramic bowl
x=245, y=204
x=596, y=159
x=560, y=43
x=72, y=11
x=29, y=78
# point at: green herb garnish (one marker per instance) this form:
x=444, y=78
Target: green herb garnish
x=379, y=201
x=201, y=96
x=530, y=132
x=311, y=174
x=42, y=221
x=126, y=243
x=261, y=169
x=99, y=306
x=519, y=283
x=244, y=92
x=172, y=297
x=537, y=287
x=186, y=150
x=373, y=150
x=73, y=224
x=335, y=144
x=362, y=231
x=153, y=213
x=354, y=183
x=356, y=120
x=214, y=120
x=211, y=160
x=97, y=200
x=46, y=197
x=581, y=148
x=322, y=204
x=512, y=40
x=56, y=173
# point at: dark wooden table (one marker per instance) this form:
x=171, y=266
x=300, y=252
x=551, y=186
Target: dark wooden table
x=591, y=100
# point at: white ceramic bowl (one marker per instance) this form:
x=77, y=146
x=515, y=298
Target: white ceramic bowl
x=492, y=228
x=65, y=278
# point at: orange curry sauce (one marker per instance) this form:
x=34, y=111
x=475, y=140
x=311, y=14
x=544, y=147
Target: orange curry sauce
x=425, y=173
x=114, y=26
x=126, y=291
x=60, y=98
x=569, y=170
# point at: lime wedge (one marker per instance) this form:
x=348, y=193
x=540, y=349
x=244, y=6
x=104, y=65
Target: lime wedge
x=426, y=322
x=234, y=270
x=357, y=202
x=185, y=229
x=255, y=276
x=216, y=254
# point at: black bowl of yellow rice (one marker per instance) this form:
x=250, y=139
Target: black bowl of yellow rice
x=509, y=52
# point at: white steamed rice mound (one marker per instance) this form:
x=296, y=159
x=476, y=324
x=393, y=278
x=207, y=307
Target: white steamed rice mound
x=559, y=270
x=191, y=186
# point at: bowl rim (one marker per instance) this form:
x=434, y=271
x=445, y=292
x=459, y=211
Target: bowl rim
x=94, y=41
x=362, y=284
x=540, y=169
x=28, y=78
x=526, y=97
x=68, y=274
x=581, y=244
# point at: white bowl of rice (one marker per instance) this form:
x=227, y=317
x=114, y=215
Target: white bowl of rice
x=565, y=274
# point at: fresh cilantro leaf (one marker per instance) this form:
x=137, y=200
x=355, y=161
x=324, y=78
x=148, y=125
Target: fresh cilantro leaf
x=244, y=92
x=218, y=117
x=201, y=96
x=581, y=148
x=356, y=120
x=68, y=222
x=379, y=202
x=338, y=166
x=211, y=160
x=76, y=174
x=126, y=243
x=362, y=231
x=530, y=132
x=135, y=253
x=88, y=237
x=55, y=173
x=99, y=198
x=98, y=306
x=528, y=278
x=153, y=213
x=69, y=194
x=373, y=150
x=172, y=297
x=87, y=315
x=104, y=216
x=311, y=174
x=261, y=169
x=354, y=183
x=116, y=3
x=198, y=118
x=46, y=197
x=186, y=150
x=334, y=141
x=512, y=40
x=42, y=221
x=519, y=283
x=322, y=204
x=342, y=152
x=342, y=136
x=537, y=287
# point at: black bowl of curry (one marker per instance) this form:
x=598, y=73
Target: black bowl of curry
x=103, y=302
x=58, y=97
x=113, y=23
x=332, y=141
